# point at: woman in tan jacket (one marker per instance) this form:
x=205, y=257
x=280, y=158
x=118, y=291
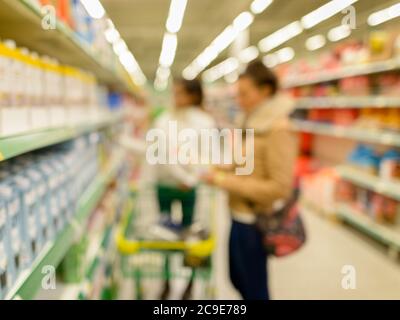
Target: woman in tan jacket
x=270, y=183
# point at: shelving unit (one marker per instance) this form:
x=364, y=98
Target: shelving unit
x=385, y=234
x=344, y=72
x=30, y=281
x=24, y=17
x=369, y=136
x=348, y=102
x=13, y=146
x=369, y=181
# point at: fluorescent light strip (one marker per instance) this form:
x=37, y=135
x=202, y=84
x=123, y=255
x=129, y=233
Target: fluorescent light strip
x=248, y=54
x=225, y=67
x=220, y=43
x=243, y=21
x=339, y=33
x=285, y=54
x=258, y=6
x=325, y=12
x=315, y=42
x=94, y=8
x=175, y=16
x=280, y=36
x=384, y=15
x=168, y=51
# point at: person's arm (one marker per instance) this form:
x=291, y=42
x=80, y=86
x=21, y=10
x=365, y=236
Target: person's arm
x=134, y=145
x=280, y=159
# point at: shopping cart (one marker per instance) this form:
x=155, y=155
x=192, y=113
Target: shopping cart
x=149, y=262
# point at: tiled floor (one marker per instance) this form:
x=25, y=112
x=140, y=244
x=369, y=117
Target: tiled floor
x=316, y=271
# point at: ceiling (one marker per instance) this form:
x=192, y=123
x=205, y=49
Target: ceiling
x=142, y=25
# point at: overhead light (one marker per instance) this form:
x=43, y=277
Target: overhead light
x=189, y=73
x=280, y=36
x=248, y=54
x=285, y=55
x=315, y=42
x=325, y=12
x=232, y=77
x=175, y=15
x=384, y=15
x=270, y=60
x=163, y=73
x=128, y=61
x=112, y=35
x=120, y=47
x=339, y=33
x=225, y=67
x=139, y=78
x=224, y=39
x=243, y=21
x=94, y=8
x=258, y=6
x=169, y=45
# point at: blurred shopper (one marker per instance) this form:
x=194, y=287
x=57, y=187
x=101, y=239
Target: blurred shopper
x=270, y=183
x=177, y=182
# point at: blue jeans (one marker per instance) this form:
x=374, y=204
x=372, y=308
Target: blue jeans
x=248, y=262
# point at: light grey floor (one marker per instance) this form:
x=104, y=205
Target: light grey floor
x=316, y=271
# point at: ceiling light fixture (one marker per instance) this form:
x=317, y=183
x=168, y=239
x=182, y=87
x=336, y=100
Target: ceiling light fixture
x=280, y=36
x=258, y=6
x=285, y=55
x=315, y=42
x=325, y=12
x=175, y=15
x=94, y=8
x=168, y=51
x=243, y=21
x=248, y=54
x=270, y=60
x=225, y=67
x=339, y=33
x=384, y=15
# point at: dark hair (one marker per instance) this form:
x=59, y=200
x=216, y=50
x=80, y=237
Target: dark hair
x=194, y=88
x=261, y=75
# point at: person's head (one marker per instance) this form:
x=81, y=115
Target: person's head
x=188, y=93
x=256, y=84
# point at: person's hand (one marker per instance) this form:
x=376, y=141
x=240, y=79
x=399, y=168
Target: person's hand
x=208, y=177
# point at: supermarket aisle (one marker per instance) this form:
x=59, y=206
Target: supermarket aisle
x=315, y=272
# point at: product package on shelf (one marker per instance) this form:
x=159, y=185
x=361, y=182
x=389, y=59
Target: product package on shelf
x=39, y=195
x=39, y=92
x=7, y=269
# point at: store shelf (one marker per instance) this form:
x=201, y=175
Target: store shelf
x=369, y=181
x=23, y=17
x=13, y=146
x=385, y=234
x=30, y=281
x=348, y=102
x=344, y=72
x=370, y=136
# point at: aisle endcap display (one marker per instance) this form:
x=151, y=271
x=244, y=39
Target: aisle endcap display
x=30, y=281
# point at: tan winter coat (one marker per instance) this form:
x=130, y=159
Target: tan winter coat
x=275, y=150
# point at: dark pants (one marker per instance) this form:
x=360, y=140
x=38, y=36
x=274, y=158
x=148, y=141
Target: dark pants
x=167, y=195
x=248, y=262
